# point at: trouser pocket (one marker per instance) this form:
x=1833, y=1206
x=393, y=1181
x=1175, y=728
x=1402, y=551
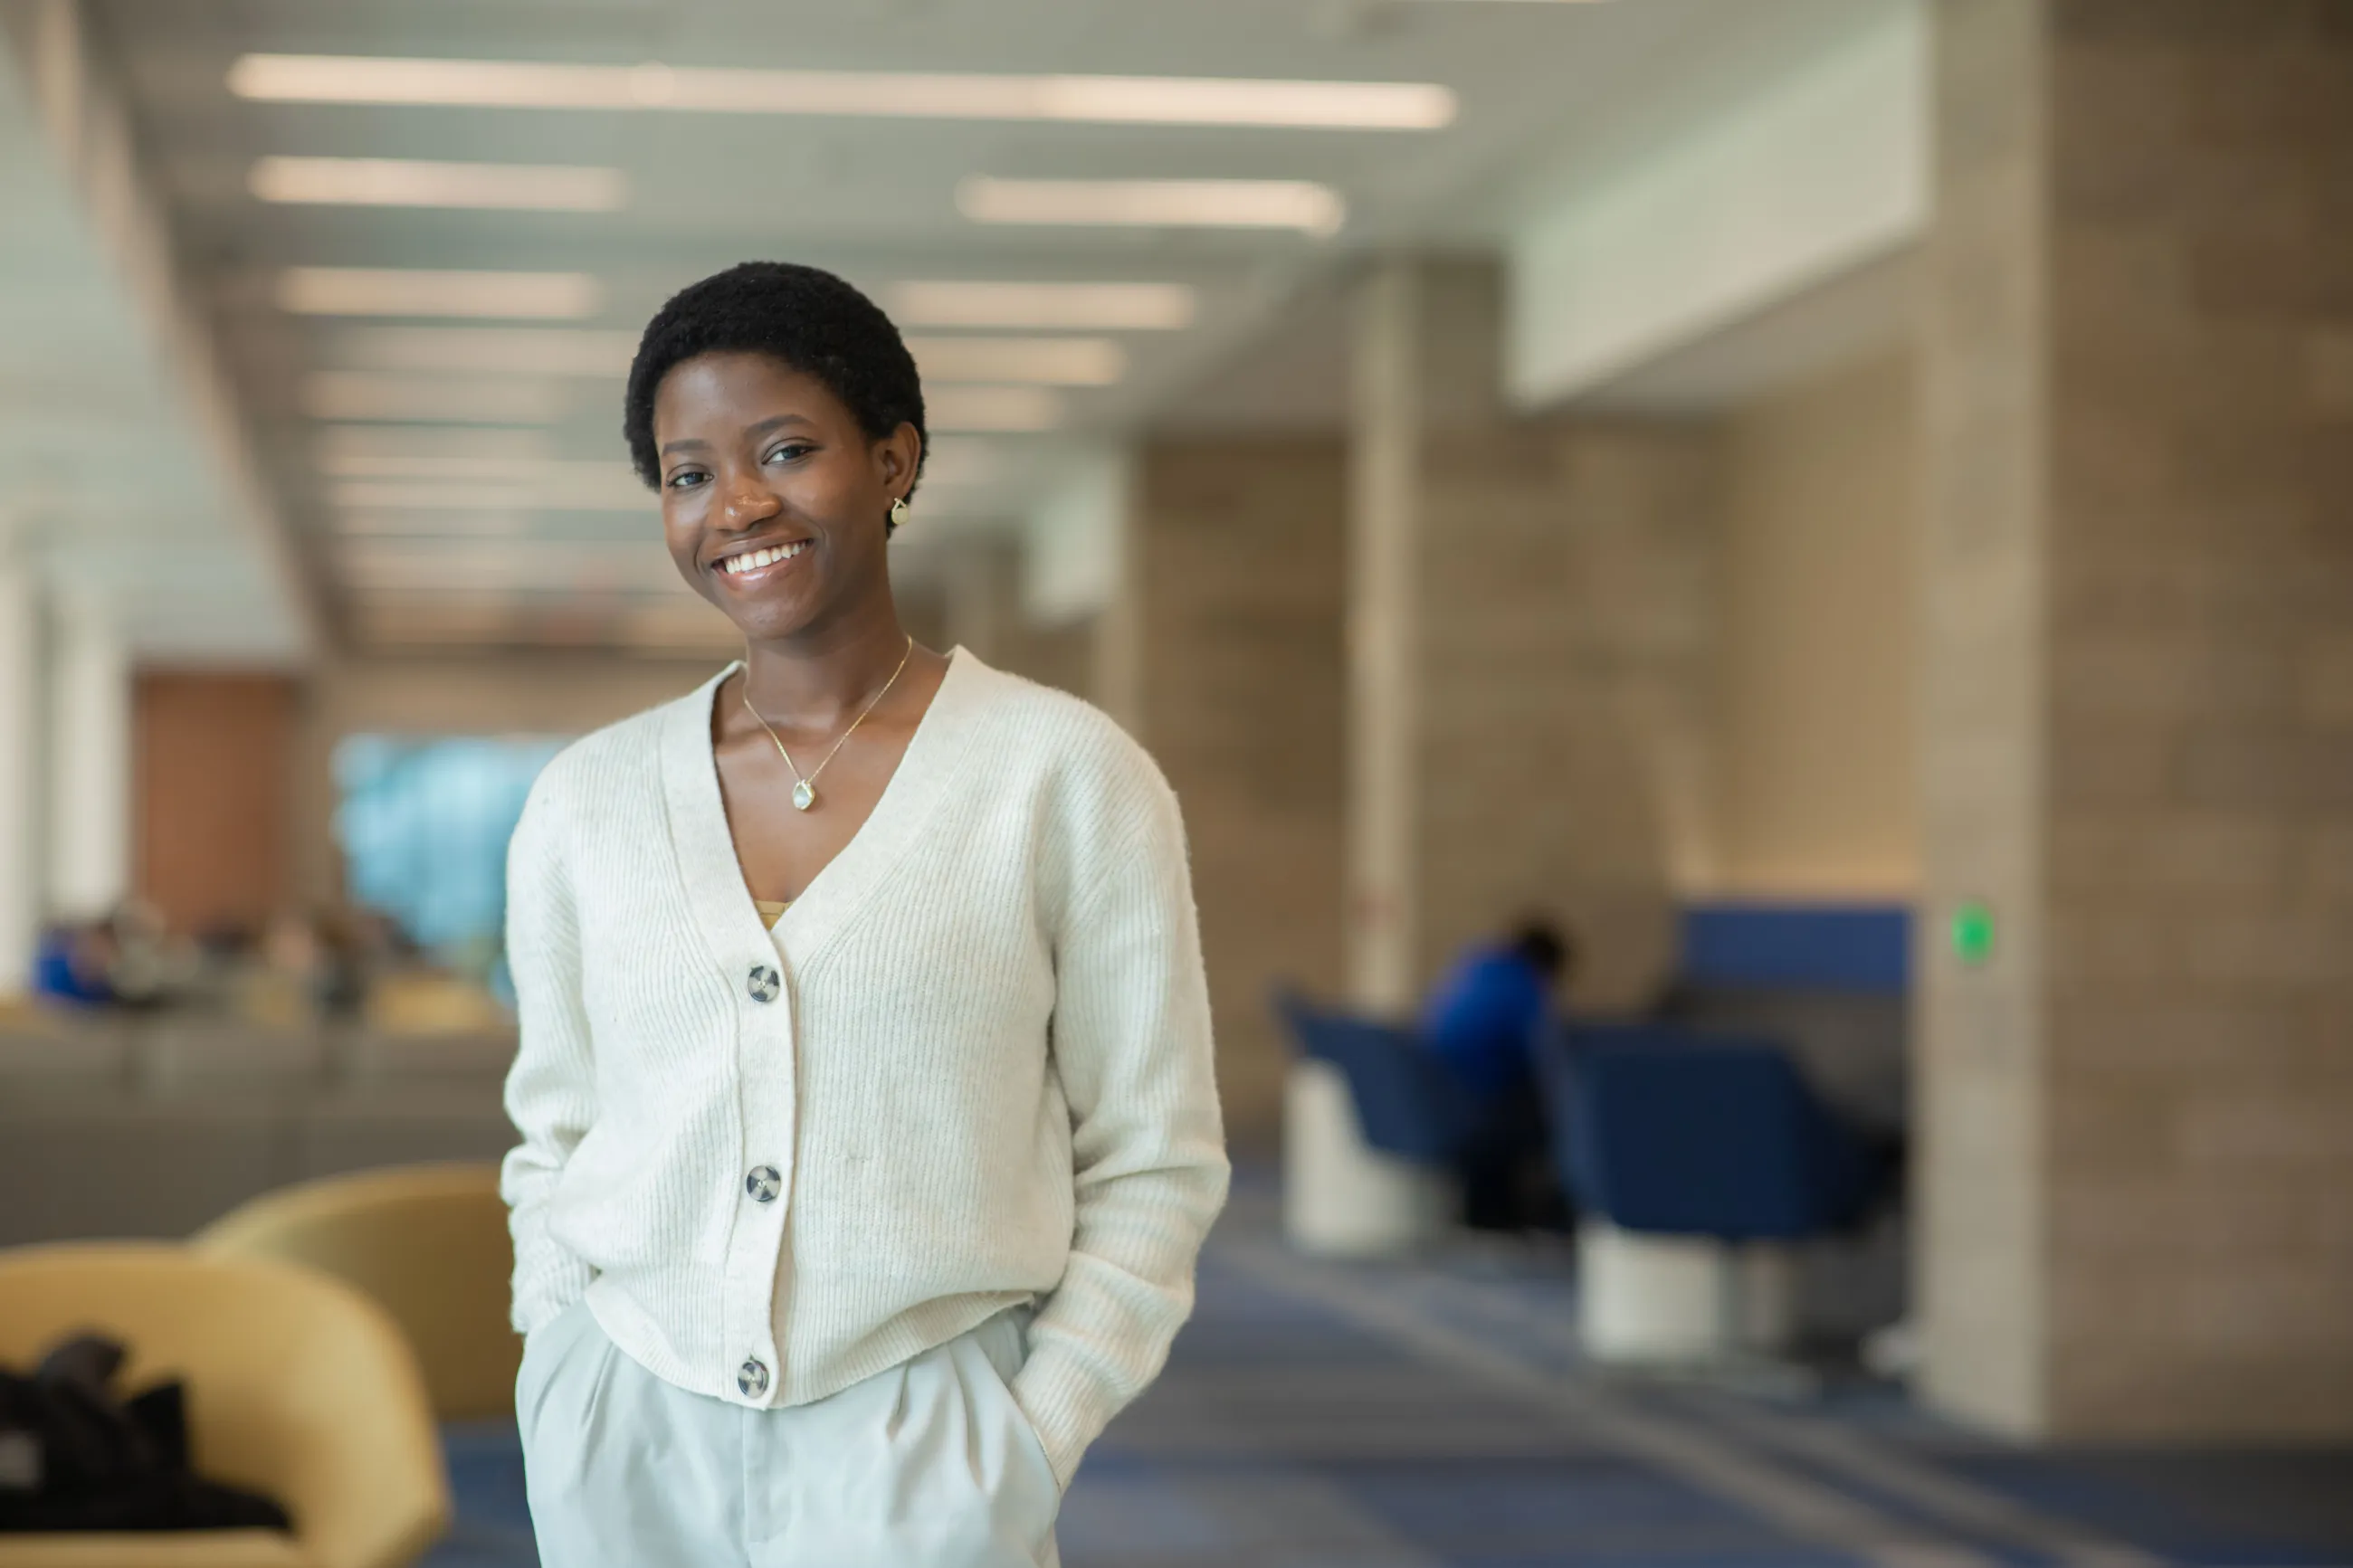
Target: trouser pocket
x=931, y=1464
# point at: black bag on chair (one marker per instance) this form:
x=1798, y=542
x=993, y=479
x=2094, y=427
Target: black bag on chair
x=75, y=1455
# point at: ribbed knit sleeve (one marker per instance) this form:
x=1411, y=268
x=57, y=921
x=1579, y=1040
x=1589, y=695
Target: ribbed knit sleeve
x=1131, y=1041
x=551, y=1090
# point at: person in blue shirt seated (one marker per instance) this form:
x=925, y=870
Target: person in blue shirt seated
x=1484, y=1021
x=73, y=963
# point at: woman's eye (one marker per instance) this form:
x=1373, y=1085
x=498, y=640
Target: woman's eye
x=790, y=452
x=685, y=478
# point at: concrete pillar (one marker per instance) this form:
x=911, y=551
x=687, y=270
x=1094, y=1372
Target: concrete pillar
x=89, y=760
x=1527, y=635
x=1981, y=1253
x=984, y=609
x=21, y=748
x=1390, y=406
x=2138, y=708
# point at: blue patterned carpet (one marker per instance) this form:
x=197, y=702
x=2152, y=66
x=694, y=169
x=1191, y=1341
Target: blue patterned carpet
x=1325, y=1416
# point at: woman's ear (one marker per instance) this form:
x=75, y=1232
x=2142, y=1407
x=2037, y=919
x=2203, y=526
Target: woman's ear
x=899, y=453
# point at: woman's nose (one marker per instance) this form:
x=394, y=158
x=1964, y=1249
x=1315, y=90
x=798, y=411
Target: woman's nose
x=748, y=503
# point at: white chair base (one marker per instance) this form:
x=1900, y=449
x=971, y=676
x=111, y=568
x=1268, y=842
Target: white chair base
x=1341, y=1196
x=1671, y=1299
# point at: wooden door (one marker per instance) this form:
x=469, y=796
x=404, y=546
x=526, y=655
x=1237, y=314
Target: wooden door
x=215, y=757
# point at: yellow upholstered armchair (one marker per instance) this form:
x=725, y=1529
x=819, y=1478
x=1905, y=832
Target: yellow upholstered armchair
x=428, y=1243
x=298, y=1386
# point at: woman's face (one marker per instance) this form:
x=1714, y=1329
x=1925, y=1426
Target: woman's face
x=774, y=501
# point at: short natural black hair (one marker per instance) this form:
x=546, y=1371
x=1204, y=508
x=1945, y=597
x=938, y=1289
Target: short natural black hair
x=1544, y=945
x=807, y=318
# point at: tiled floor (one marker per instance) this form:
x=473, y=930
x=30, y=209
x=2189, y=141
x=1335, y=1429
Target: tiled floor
x=1321, y=1417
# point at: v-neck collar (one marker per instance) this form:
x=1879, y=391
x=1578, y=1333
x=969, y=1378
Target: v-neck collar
x=936, y=755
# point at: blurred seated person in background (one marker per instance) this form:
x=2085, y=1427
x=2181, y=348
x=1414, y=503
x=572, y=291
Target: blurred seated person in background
x=150, y=966
x=74, y=962
x=1483, y=1021
x=125, y=960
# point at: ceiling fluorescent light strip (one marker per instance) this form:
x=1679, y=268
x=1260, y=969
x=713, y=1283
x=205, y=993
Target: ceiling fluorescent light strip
x=1298, y=204
x=406, y=182
x=1089, y=99
x=1048, y=361
x=461, y=468
x=1101, y=307
x=382, y=291
x=595, y=492
x=527, y=557
x=992, y=408
x=495, y=350
x=430, y=400
x=530, y=577
x=373, y=525
x=373, y=451
x=532, y=567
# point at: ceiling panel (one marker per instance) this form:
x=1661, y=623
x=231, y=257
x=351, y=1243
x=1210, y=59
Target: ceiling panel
x=874, y=198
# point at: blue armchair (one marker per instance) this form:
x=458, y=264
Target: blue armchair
x=1405, y=1101
x=1675, y=1133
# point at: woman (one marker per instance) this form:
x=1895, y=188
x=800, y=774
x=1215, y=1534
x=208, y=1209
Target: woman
x=868, y=1134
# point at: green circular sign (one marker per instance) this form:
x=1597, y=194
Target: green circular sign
x=1972, y=933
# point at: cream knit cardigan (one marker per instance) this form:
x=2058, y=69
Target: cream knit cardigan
x=975, y=1050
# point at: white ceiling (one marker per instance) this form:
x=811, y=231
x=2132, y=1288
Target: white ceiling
x=870, y=197
x=108, y=481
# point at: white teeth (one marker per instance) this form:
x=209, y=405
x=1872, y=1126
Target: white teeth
x=753, y=559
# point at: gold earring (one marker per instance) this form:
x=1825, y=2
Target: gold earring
x=899, y=511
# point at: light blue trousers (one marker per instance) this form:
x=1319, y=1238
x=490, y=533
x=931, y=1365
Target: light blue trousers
x=929, y=1464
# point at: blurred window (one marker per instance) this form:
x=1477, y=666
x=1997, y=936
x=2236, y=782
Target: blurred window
x=424, y=824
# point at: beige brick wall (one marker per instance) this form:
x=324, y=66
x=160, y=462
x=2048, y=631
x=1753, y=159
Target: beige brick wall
x=2201, y=274
x=1564, y=632
x=2144, y=500
x=1233, y=579
x=1814, y=769
x=1549, y=710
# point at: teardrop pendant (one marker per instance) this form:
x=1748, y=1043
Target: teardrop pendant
x=804, y=795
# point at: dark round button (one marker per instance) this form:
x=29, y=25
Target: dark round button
x=765, y=1183
x=765, y=983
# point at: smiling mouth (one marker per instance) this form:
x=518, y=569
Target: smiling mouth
x=759, y=560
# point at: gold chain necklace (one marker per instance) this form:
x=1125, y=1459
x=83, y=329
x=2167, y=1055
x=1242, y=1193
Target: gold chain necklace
x=805, y=789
